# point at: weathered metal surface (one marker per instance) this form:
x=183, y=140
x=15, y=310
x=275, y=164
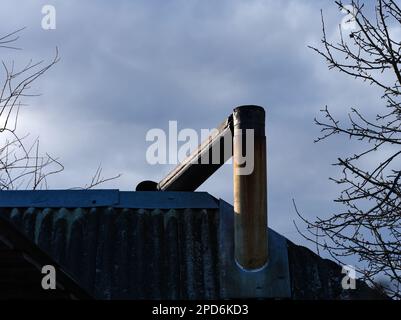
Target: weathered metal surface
x=202, y=163
x=271, y=281
x=313, y=278
x=122, y=253
x=250, y=187
x=117, y=253
x=106, y=198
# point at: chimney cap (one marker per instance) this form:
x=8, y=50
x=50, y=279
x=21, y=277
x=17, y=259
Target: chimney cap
x=250, y=117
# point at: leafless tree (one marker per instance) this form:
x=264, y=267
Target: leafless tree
x=22, y=166
x=370, y=224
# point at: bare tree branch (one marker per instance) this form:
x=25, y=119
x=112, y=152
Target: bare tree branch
x=21, y=163
x=370, y=225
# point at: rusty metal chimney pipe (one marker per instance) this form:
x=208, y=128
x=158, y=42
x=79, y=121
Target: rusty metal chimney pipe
x=250, y=190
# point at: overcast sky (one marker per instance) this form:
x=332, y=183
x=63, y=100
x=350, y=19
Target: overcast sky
x=129, y=66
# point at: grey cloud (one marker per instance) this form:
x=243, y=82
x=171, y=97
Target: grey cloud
x=129, y=66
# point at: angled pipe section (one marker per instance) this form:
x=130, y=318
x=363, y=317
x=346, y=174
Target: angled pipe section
x=210, y=155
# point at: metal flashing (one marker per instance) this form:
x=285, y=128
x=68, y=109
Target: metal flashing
x=271, y=281
x=106, y=198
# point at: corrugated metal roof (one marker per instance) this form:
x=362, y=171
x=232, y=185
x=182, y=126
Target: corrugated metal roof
x=126, y=253
x=122, y=249
x=163, y=245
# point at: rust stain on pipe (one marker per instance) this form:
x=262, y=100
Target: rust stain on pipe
x=250, y=190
